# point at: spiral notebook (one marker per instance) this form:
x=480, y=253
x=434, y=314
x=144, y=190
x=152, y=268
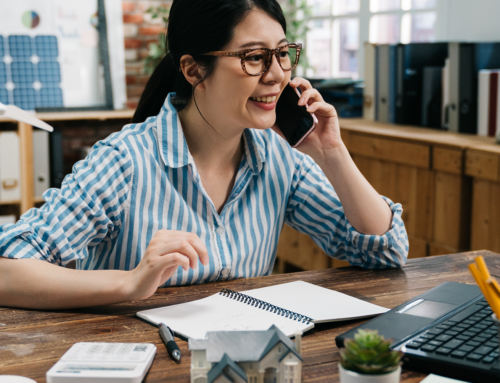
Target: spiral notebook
x=290, y=306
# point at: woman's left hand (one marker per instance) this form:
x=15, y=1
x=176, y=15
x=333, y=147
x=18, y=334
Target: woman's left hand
x=326, y=135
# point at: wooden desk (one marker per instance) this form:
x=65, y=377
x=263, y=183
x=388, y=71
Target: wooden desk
x=32, y=341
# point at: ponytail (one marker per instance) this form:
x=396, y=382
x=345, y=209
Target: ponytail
x=166, y=78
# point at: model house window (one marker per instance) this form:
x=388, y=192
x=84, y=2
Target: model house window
x=338, y=29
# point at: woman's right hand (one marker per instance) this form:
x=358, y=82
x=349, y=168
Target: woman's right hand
x=167, y=250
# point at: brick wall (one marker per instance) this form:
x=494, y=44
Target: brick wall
x=139, y=30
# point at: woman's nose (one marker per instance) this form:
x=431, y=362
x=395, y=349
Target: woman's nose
x=274, y=72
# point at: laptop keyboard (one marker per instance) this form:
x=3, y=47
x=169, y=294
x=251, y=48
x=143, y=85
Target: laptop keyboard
x=469, y=335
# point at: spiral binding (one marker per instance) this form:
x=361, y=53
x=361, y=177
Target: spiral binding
x=264, y=305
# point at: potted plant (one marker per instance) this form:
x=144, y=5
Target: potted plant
x=368, y=358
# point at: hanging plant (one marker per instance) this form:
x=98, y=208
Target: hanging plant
x=156, y=50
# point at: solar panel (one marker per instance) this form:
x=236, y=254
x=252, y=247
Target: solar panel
x=46, y=47
x=30, y=74
x=4, y=96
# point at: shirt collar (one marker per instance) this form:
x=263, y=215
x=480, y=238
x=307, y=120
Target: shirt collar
x=174, y=149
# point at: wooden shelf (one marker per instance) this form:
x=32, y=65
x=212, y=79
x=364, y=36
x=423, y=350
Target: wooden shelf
x=6, y=203
x=87, y=115
x=418, y=134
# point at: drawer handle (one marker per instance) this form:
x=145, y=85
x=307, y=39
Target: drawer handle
x=9, y=184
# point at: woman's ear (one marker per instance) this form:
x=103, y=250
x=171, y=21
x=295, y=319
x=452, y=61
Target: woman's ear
x=191, y=70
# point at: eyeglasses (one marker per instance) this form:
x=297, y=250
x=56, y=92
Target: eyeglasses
x=256, y=61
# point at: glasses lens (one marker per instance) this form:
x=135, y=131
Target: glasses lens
x=255, y=61
x=288, y=58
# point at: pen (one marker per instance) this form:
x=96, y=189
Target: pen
x=168, y=339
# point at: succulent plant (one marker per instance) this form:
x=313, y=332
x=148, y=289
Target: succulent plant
x=369, y=353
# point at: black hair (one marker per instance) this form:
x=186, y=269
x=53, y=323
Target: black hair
x=196, y=27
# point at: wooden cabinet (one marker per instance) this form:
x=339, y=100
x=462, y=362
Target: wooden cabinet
x=448, y=184
x=25, y=132
x=483, y=165
x=430, y=173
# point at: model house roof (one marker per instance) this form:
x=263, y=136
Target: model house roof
x=220, y=368
x=242, y=346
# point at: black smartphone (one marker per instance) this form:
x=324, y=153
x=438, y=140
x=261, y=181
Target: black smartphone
x=294, y=121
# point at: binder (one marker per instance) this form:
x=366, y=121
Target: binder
x=386, y=86
x=411, y=61
x=446, y=94
x=431, y=97
x=466, y=60
x=369, y=90
x=56, y=159
x=10, y=167
x=41, y=162
x=488, y=119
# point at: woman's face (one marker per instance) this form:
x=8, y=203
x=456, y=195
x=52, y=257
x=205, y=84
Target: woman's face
x=229, y=91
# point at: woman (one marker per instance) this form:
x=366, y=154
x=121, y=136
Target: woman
x=201, y=193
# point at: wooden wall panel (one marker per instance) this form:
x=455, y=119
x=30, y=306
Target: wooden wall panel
x=440, y=249
x=452, y=210
x=300, y=250
x=485, y=229
x=482, y=165
x=418, y=247
x=410, y=186
x=448, y=160
x=401, y=152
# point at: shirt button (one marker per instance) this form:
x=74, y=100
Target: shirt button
x=220, y=230
x=225, y=273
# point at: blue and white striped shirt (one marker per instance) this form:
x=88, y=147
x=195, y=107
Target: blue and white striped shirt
x=143, y=179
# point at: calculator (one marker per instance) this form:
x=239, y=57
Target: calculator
x=103, y=362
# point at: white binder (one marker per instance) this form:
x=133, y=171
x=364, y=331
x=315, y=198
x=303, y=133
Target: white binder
x=10, y=167
x=41, y=162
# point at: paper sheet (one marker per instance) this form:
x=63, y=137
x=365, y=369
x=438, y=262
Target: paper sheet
x=323, y=305
x=219, y=313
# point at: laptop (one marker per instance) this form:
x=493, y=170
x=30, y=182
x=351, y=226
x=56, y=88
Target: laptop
x=447, y=330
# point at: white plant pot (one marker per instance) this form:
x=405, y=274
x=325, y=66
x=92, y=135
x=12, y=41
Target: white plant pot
x=347, y=376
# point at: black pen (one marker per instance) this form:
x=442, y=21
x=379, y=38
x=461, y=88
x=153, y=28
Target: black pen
x=168, y=339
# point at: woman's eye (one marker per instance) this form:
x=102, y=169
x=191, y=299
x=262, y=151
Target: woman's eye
x=283, y=54
x=254, y=58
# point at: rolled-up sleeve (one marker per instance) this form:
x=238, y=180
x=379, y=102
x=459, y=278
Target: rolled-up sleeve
x=315, y=209
x=89, y=207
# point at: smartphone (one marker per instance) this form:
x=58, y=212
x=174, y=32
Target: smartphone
x=294, y=121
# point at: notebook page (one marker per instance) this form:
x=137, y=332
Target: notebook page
x=219, y=313
x=323, y=305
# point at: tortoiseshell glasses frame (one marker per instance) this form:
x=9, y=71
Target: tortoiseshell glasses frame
x=242, y=55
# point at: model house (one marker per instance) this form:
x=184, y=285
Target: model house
x=246, y=356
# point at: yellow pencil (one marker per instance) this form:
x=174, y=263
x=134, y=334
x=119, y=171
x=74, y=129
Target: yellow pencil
x=494, y=295
x=484, y=288
x=494, y=286
x=481, y=265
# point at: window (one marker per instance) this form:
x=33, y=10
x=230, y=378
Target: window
x=337, y=30
x=292, y=372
